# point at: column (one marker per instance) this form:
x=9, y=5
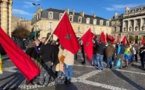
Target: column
x=141, y=24
x=4, y=16
x=10, y=18
x=128, y=25
x=123, y=24
x=134, y=25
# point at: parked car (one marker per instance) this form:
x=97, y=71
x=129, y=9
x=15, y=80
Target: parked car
x=2, y=51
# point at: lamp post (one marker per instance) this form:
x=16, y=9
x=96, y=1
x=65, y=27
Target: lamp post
x=37, y=5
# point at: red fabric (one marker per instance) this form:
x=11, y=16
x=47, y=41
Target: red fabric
x=142, y=41
x=21, y=60
x=66, y=35
x=102, y=38
x=87, y=39
x=94, y=36
x=110, y=38
x=125, y=41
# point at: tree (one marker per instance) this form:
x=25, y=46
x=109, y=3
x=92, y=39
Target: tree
x=21, y=32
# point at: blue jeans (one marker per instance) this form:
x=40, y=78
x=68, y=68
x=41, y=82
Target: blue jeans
x=100, y=61
x=68, y=71
x=94, y=60
x=109, y=62
x=59, y=74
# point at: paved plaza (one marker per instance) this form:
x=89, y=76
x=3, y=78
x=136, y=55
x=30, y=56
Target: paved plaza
x=85, y=77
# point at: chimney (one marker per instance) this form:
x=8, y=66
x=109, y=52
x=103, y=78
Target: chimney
x=73, y=12
x=67, y=11
x=82, y=14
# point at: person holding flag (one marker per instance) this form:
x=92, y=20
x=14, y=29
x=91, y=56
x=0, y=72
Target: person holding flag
x=69, y=42
x=87, y=40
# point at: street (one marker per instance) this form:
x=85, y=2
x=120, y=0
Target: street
x=85, y=77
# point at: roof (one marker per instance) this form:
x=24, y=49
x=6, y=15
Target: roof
x=78, y=14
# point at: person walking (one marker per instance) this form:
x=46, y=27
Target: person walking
x=142, y=56
x=68, y=63
x=100, y=51
x=46, y=53
x=110, y=50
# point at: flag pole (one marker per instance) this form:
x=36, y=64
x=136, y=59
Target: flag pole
x=55, y=28
x=84, y=33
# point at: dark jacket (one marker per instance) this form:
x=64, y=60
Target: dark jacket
x=55, y=54
x=46, y=52
x=100, y=48
x=141, y=52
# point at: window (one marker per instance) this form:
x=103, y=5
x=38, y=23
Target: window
x=50, y=15
x=50, y=25
x=101, y=22
x=79, y=29
x=107, y=23
x=60, y=15
x=88, y=21
x=79, y=19
x=94, y=21
x=71, y=18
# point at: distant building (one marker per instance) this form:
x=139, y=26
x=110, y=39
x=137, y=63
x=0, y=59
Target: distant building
x=130, y=24
x=22, y=22
x=47, y=20
x=6, y=15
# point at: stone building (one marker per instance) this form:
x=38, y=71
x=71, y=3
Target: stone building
x=6, y=15
x=47, y=20
x=22, y=22
x=130, y=24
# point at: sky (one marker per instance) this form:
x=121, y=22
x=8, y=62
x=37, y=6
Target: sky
x=101, y=8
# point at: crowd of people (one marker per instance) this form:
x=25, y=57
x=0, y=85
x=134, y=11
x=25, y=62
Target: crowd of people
x=117, y=55
x=48, y=56
x=55, y=61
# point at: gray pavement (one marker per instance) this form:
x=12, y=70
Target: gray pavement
x=85, y=77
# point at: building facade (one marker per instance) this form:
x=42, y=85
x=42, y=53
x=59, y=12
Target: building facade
x=130, y=24
x=47, y=20
x=6, y=15
x=16, y=21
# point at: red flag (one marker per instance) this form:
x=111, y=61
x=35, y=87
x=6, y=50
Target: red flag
x=94, y=36
x=142, y=41
x=87, y=39
x=125, y=41
x=66, y=35
x=102, y=38
x=110, y=38
x=21, y=60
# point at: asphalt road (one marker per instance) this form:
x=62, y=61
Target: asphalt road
x=85, y=77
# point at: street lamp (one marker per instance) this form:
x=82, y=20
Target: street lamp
x=37, y=5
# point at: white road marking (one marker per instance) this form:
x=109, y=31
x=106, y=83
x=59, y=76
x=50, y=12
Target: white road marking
x=133, y=72
x=101, y=85
x=11, y=69
x=90, y=74
x=84, y=66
